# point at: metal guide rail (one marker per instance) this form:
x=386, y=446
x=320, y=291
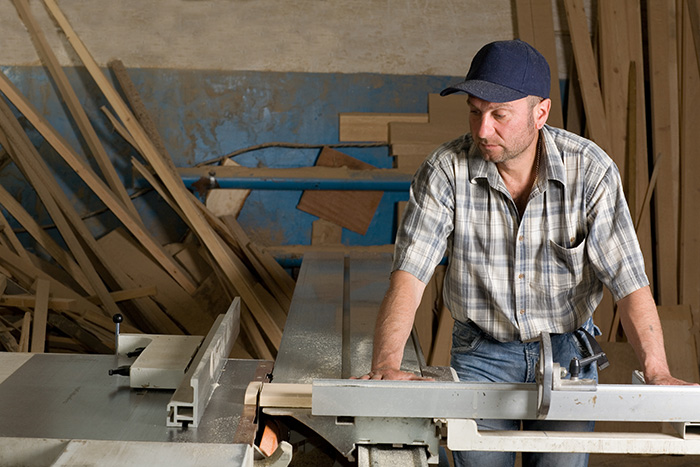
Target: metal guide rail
x=328, y=338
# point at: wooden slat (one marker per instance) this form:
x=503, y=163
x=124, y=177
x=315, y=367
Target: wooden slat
x=357, y=126
x=28, y=160
x=30, y=301
x=135, y=226
x=535, y=21
x=41, y=312
x=73, y=104
x=24, y=332
x=664, y=127
x=614, y=81
x=587, y=73
x=7, y=232
x=689, y=253
x=42, y=238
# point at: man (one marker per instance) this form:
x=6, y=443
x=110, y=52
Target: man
x=534, y=222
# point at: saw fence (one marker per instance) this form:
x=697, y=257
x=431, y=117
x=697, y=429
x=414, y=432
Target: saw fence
x=64, y=299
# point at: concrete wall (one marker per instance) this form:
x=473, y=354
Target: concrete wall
x=220, y=75
x=316, y=36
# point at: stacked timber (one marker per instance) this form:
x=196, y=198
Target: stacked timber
x=67, y=303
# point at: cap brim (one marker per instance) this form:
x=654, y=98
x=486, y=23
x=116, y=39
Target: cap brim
x=485, y=90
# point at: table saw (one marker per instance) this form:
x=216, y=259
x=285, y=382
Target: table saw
x=60, y=409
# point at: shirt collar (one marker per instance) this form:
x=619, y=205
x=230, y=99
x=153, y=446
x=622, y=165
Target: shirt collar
x=552, y=166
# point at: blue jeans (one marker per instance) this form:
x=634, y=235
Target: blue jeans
x=477, y=357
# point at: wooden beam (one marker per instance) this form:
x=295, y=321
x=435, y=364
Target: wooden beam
x=596, y=121
x=60, y=255
x=535, y=21
x=24, y=333
x=358, y=126
x=41, y=312
x=664, y=126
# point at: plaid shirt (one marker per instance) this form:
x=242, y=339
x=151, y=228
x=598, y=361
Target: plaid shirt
x=517, y=277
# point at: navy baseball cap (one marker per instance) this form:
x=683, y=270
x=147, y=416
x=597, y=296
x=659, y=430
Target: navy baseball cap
x=505, y=71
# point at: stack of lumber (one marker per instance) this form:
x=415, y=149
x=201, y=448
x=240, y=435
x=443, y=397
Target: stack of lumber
x=638, y=72
x=69, y=301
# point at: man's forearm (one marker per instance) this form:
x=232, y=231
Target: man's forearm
x=640, y=320
x=395, y=320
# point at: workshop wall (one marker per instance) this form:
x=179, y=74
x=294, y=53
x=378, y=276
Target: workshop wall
x=222, y=75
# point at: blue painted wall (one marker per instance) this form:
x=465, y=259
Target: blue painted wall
x=203, y=115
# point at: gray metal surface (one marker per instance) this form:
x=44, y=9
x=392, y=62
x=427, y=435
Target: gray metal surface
x=608, y=402
x=329, y=334
x=330, y=326
x=73, y=397
x=190, y=400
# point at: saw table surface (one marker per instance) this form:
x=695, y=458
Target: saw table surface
x=72, y=397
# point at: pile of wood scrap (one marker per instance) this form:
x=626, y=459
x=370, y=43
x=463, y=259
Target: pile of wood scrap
x=173, y=289
x=612, y=101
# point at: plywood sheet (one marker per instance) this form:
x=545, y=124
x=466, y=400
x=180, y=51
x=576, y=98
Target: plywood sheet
x=353, y=210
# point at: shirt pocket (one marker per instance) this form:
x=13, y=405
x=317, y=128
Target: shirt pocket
x=565, y=268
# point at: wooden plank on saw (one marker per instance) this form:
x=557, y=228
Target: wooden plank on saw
x=75, y=108
x=163, y=167
x=96, y=184
x=179, y=304
x=41, y=313
x=535, y=24
x=587, y=72
x=359, y=126
x=353, y=210
x=664, y=127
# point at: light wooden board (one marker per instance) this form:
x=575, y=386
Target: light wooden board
x=664, y=127
x=587, y=72
x=535, y=25
x=353, y=210
x=358, y=126
x=41, y=310
x=690, y=173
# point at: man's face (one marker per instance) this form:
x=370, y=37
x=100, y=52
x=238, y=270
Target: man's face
x=502, y=131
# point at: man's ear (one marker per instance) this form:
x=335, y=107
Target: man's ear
x=541, y=112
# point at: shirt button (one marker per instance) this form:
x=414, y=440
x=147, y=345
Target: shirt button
x=573, y=239
x=521, y=276
x=522, y=312
x=521, y=238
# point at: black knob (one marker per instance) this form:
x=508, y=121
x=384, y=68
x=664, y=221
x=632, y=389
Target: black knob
x=122, y=371
x=118, y=318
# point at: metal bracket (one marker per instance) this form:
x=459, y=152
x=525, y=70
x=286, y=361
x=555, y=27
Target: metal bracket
x=192, y=396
